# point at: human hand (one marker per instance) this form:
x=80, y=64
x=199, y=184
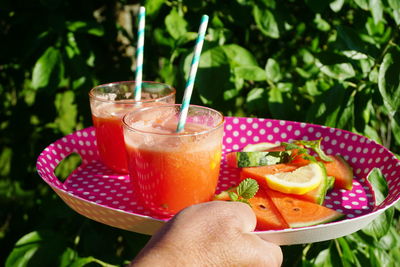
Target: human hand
x=215, y=233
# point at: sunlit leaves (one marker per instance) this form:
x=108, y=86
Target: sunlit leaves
x=90, y=27
x=239, y=56
x=389, y=79
x=266, y=22
x=176, y=24
x=67, y=112
x=48, y=70
x=252, y=73
x=273, y=71
x=33, y=249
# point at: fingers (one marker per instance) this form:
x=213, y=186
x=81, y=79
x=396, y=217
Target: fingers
x=237, y=215
x=216, y=233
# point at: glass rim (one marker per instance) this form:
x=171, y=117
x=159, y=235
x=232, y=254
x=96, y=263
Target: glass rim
x=92, y=95
x=132, y=129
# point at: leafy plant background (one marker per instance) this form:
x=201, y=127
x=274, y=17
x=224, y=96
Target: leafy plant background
x=335, y=63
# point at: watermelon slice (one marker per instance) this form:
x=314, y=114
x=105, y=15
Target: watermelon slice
x=256, y=158
x=316, y=195
x=258, y=173
x=341, y=170
x=268, y=217
x=300, y=213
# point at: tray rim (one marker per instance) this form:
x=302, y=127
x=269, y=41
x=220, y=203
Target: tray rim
x=373, y=213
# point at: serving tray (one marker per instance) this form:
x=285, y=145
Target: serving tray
x=107, y=197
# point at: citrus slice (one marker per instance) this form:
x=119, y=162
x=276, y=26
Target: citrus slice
x=300, y=181
x=259, y=147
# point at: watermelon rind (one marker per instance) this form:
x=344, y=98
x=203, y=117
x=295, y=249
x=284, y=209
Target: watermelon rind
x=334, y=216
x=323, y=188
x=259, y=158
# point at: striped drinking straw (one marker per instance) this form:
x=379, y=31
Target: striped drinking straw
x=139, y=53
x=192, y=74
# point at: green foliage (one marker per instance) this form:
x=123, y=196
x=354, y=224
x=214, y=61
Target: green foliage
x=334, y=63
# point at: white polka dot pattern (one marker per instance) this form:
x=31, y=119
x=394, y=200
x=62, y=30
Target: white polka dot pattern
x=96, y=192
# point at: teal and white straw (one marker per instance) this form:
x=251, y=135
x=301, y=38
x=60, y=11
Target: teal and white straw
x=139, y=53
x=192, y=74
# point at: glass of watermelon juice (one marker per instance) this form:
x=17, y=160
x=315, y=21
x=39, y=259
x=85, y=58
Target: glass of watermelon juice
x=109, y=103
x=170, y=171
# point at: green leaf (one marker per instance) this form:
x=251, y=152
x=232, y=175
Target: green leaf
x=230, y=94
x=395, y=124
x=48, y=70
x=33, y=250
x=153, y=6
x=352, y=40
x=239, y=56
x=250, y=73
x=336, y=5
x=376, y=8
x=256, y=100
x=323, y=259
x=186, y=38
x=176, y=25
x=266, y=22
x=340, y=72
x=247, y=188
x=233, y=196
x=89, y=27
x=213, y=75
x=394, y=4
x=273, y=70
x=379, y=257
x=364, y=4
x=322, y=24
x=379, y=185
x=380, y=225
x=389, y=79
x=390, y=240
x=67, y=111
x=347, y=254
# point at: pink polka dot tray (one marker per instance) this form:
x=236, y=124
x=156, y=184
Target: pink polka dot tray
x=99, y=194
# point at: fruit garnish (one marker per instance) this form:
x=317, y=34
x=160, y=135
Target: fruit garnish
x=257, y=158
x=299, y=181
x=302, y=146
x=242, y=193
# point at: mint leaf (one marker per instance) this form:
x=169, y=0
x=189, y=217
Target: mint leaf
x=247, y=188
x=233, y=196
x=316, y=146
x=302, y=152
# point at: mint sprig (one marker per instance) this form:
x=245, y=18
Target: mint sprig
x=316, y=146
x=246, y=190
x=302, y=146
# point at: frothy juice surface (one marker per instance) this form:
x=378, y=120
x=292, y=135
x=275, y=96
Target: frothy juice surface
x=170, y=172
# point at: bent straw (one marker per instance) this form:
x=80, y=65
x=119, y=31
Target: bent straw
x=139, y=54
x=192, y=74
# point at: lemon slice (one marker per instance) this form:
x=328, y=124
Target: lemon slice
x=259, y=147
x=299, y=181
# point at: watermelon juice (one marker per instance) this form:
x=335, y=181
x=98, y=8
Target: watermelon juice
x=170, y=171
x=109, y=103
